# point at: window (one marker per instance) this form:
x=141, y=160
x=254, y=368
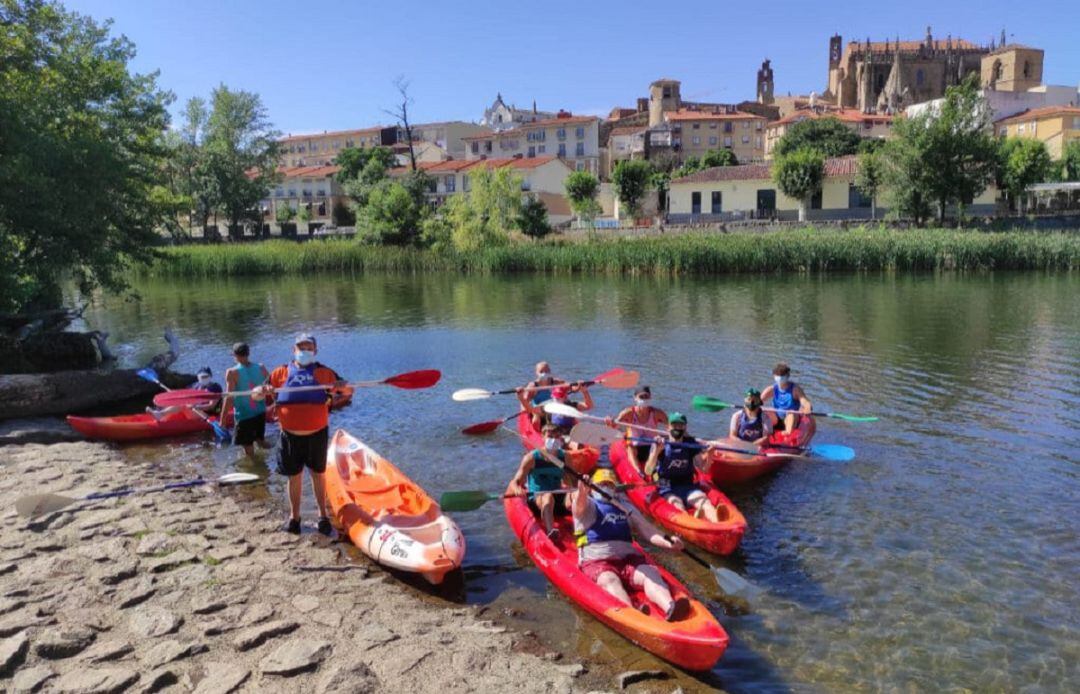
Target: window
x=717, y=198
x=562, y=149
x=745, y=125
x=322, y=192
x=712, y=126
x=487, y=146
x=920, y=77
x=279, y=192
x=758, y=142
x=580, y=132
x=667, y=92
x=292, y=192
x=713, y=140
x=855, y=197
x=541, y=149
x=348, y=143
x=727, y=141
x=450, y=183
x=695, y=202
x=579, y=151
x=1027, y=69
x=561, y=133
x=757, y=125
x=696, y=140
x=525, y=185
x=580, y=166
x=307, y=192
x=465, y=182
x=476, y=148
x=815, y=201
x=697, y=126
x=727, y=127
x=746, y=139
x=532, y=152
x=314, y=146
x=1019, y=128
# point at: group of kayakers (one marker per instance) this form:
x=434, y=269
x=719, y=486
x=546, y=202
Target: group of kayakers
x=603, y=521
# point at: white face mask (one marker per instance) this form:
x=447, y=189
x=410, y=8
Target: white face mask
x=203, y=379
x=641, y=402
x=780, y=380
x=552, y=444
x=304, y=357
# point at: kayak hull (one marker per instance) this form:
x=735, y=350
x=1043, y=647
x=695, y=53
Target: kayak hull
x=735, y=468
x=720, y=538
x=387, y=516
x=138, y=427
x=695, y=642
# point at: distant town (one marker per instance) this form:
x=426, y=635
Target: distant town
x=868, y=84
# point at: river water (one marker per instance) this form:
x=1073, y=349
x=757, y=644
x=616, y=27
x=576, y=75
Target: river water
x=946, y=556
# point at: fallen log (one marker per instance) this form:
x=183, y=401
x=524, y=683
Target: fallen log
x=67, y=392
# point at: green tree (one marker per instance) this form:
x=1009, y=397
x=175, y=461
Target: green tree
x=532, y=219
x=303, y=216
x=828, y=136
x=342, y=215
x=581, y=190
x=241, y=151
x=284, y=214
x=632, y=178
x=1070, y=161
x=1022, y=162
x=368, y=164
x=485, y=215
x=718, y=157
x=869, y=177
x=392, y=215
x=799, y=175
x=81, y=152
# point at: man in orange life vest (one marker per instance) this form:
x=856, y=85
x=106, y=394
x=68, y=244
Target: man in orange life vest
x=304, y=416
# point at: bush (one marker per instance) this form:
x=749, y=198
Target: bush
x=532, y=220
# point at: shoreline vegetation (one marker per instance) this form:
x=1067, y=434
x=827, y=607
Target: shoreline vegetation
x=804, y=250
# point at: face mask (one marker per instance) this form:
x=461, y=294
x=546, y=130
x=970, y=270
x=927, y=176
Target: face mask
x=751, y=406
x=641, y=402
x=780, y=380
x=304, y=357
x=678, y=433
x=552, y=444
x=204, y=379
x=544, y=375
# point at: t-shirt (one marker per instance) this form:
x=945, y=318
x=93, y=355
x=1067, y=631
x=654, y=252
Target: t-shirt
x=304, y=416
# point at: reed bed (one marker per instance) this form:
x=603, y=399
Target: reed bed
x=805, y=250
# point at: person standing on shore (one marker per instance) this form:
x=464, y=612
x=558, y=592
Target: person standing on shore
x=250, y=414
x=304, y=416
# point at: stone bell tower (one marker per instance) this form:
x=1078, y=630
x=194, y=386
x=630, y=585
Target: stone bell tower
x=765, y=83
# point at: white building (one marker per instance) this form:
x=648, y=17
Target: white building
x=499, y=116
x=1005, y=104
x=573, y=139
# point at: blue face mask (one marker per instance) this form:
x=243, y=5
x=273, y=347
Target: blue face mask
x=305, y=357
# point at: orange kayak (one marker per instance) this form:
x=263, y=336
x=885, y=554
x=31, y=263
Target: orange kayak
x=387, y=515
x=134, y=427
x=695, y=642
x=733, y=468
x=719, y=538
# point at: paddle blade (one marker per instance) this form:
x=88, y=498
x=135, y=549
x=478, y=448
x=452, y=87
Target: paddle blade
x=482, y=428
x=148, y=374
x=222, y=434
x=561, y=409
x=703, y=403
x=465, y=501
x=850, y=417
x=415, y=379
x=594, y=434
x=734, y=585
x=470, y=394
x=622, y=379
x=185, y=398
x=833, y=452
x=41, y=504
x=237, y=478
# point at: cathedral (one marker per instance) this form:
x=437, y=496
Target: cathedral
x=884, y=77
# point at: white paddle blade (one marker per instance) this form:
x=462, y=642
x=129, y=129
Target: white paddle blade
x=626, y=379
x=735, y=585
x=594, y=434
x=237, y=478
x=561, y=409
x=468, y=394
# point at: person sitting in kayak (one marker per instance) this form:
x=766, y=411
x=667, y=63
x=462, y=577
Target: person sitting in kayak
x=790, y=404
x=538, y=391
x=606, y=552
x=204, y=380
x=541, y=472
x=561, y=395
x=673, y=463
x=640, y=414
x=250, y=414
x=304, y=416
x=750, y=424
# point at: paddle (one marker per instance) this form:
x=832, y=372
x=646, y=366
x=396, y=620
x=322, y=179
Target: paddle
x=615, y=378
x=219, y=431
x=40, y=504
x=411, y=380
x=490, y=426
x=475, y=498
x=703, y=403
x=596, y=435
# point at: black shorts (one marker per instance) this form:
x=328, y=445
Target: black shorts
x=643, y=451
x=295, y=452
x=250, y=430
x=560, y=505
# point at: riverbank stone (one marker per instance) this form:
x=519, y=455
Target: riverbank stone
x=150, y=622
x=31, y=679
x=103, y=681
x=13, y=652
x=54, y=645
x=295, y=656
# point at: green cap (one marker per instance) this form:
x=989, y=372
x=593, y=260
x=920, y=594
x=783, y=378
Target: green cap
x=676, y=418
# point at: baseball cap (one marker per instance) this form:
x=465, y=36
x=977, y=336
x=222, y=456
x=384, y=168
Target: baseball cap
x=305, y=337
x=676, y=418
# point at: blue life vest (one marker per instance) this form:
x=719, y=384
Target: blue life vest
x=676, y=464
x=299, y=376
x=612, y=524
x=545, y=475
x=750, y=429
x=784, y=400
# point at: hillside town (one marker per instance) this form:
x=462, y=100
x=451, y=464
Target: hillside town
x=867, y=87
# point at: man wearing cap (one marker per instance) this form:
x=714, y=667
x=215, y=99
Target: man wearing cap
x=304, y=417
x=674, y=462
x=250, y=414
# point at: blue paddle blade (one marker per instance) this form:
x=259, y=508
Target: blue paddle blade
x=220, y=432
x=833, y=452
x=147, y=374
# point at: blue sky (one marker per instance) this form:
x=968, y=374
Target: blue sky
x=330, y=65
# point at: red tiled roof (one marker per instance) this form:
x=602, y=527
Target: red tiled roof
x=837, y=166
x=333, y=133
x=455, y=165
x=546, y=123
x=308, y=171
x=628, y=130
x=515, y=162
x=847, y=115
x=1044, y=112
x=688, y=114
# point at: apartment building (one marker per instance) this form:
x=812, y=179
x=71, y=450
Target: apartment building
x=320, y=149
x=695, y=132
x=624, y=142
x=312, y=187
x=1054, y=125
x=448, y=136
x=573, y=139
x=868, y=125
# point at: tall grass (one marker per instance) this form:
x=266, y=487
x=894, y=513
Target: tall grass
x=806, y=250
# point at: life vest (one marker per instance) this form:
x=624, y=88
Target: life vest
x=612, y=524
x=676, y=464
x=750, y=429
x=784, y=400
x=299, y=376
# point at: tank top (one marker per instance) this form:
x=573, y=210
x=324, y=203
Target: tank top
x=784, y=400
x=676, y=464
x=545, y=475
x=247, y=378
x=541, y=395
x=636, y=423
x=750, y=429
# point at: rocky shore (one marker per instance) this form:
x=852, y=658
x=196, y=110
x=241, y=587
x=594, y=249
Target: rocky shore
x=198, y=590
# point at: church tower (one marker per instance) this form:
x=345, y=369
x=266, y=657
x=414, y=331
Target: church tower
x=663, y=97
x=765, y=83
x=1012, y=68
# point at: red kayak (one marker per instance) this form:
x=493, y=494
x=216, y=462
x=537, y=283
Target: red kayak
x=695, y=642
x=134, y=427
x=733, y=468
x=582, y=460
x=719, y=538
